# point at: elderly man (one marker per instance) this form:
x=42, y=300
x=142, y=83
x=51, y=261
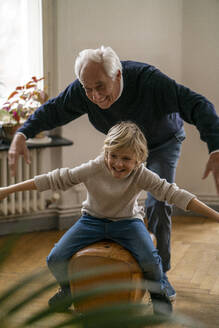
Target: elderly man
x=108, y=91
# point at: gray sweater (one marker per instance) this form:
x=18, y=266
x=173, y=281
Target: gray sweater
x=108, y=197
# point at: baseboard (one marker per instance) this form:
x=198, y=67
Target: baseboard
x=48, y=219
x=64, y=218
x=66, y=222
x=36, y=221
x=210, y=200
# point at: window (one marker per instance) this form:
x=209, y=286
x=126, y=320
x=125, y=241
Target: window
x=21, y=48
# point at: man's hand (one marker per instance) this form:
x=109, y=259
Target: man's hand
x=213, y=166
x=18, y=147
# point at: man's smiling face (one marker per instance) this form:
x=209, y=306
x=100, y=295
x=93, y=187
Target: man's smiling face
x=101, y=89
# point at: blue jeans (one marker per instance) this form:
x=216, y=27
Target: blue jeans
x=131, y=234
x=163, y=161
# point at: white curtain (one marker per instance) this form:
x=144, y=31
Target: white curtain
x=21, y=49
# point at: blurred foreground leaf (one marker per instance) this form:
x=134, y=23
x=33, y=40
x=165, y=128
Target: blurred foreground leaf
x=120, y=315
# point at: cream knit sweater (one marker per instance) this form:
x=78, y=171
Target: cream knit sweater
x=108, y=197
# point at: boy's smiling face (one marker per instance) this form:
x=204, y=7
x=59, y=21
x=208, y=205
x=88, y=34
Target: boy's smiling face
x=121, y=162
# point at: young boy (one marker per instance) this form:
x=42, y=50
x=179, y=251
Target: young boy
x=114, y=181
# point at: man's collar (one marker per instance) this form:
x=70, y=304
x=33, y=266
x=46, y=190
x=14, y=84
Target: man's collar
x=121, y=87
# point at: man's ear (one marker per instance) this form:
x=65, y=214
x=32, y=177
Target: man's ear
x=118, y=75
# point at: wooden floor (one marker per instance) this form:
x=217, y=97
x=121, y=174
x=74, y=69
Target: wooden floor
x=194, y=273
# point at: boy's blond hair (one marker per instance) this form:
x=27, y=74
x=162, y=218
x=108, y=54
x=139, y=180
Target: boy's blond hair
x=126, y=135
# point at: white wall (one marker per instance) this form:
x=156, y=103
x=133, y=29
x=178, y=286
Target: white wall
x=177, y=36
x=139, y=30
x=200, y=72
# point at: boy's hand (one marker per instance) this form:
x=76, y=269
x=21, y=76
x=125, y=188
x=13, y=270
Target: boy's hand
x=3, y=193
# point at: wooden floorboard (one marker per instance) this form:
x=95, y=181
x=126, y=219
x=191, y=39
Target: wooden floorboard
x=194, y=272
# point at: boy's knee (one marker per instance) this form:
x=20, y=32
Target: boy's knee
x=49, y=260
x=52, y=259
x=153, y=272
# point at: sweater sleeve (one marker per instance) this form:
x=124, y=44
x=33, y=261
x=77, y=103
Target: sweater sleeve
x=67, y=106
x=165, y=191
x=65, y=178
x=193, y=108
x=199, y=111
x=59, y=179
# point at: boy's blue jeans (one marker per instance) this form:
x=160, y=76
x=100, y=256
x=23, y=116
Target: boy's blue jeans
x=131, y=234
x=163, y=161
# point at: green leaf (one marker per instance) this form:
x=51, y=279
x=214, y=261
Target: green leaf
x=4, y=115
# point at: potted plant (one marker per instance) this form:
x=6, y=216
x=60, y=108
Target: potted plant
x=20, y=104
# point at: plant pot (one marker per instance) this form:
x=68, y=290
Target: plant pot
x=8, y=130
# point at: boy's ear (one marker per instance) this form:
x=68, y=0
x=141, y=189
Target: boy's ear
x=137, y=165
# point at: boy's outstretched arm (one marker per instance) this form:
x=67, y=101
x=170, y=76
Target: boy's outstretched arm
x=199, y=207
x=21, y=186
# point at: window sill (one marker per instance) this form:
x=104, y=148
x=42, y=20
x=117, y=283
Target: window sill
x=57, y=141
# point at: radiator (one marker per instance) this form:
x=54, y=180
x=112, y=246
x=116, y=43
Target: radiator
x=21, y=202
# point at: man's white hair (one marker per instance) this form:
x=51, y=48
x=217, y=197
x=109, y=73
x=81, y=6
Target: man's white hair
x=104, y=55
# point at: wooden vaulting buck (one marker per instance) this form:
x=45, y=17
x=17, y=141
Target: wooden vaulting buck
x=99, y=255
